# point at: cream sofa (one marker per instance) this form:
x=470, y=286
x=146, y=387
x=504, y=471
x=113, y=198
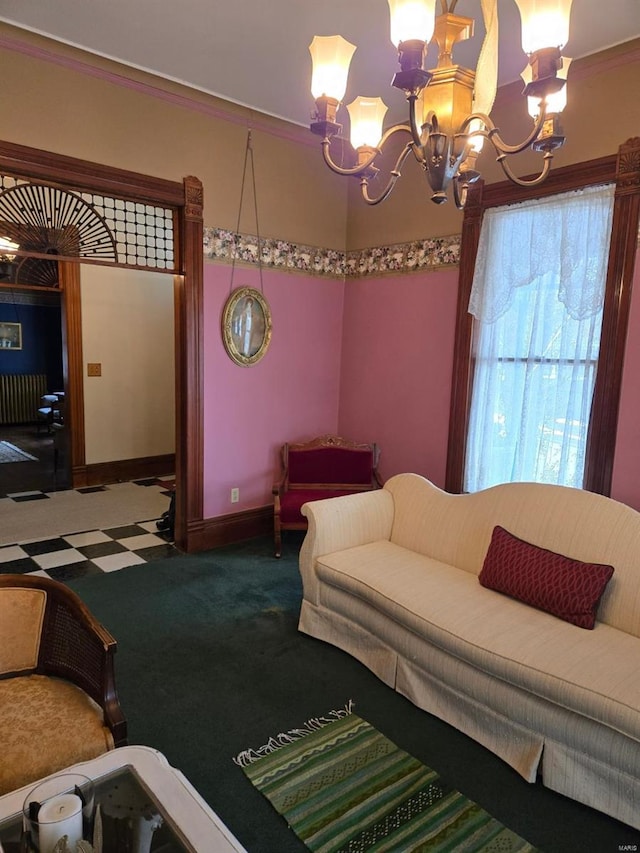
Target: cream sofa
x=391, y=577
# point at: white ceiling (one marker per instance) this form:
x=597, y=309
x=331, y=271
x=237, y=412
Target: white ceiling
x=256, y=53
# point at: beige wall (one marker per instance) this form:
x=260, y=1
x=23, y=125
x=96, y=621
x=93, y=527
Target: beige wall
x=603, y=111
x=128, y=328
x=57, y=98
x=159, y=128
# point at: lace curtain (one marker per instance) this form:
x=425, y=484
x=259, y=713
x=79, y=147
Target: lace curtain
x=537, y=297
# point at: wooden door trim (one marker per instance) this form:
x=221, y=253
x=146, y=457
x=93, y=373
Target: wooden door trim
x=60, y=170
x=186, y=199
x=72, y=363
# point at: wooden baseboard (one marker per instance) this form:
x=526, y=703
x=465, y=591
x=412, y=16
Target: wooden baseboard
x=226, y=529
x=123, y=470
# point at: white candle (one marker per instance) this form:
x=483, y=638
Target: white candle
x=61, y=815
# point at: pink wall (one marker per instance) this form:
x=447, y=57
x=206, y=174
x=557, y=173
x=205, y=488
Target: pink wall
x=396, y=376
x=371, y=360
x=292, y=394
x=626, y=467
x=396, y=369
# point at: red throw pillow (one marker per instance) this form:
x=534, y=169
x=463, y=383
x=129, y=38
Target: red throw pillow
x=567, y=588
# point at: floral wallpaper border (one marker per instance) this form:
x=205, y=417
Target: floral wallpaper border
x=226, y=246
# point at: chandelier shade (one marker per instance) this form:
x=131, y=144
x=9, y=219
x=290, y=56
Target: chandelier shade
x=449, y=105
x=411, y=20
x=367, y=116
x=544, y=23
x=331, y=57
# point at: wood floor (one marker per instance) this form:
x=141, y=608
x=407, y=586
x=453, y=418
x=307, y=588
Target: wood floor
x=31, y=475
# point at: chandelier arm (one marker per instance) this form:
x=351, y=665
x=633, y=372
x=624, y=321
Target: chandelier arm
x=395, y=128
x=419, y=136
x=410, y=146
x=418, y=153
x=546, y=166
x=340, y=170
x=394, y=175
x=460, y=191
x=366, y=165
x=364, y=183
x=459, y=196
x=493, y=133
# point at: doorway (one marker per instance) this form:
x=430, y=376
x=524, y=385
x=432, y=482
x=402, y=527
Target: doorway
x=100, y=185
x=31, y=389
x=129, y=384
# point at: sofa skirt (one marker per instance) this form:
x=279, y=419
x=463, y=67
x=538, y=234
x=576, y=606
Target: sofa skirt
x=573, y=755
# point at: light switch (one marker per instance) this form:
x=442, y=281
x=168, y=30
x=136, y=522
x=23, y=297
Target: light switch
x=94, y=369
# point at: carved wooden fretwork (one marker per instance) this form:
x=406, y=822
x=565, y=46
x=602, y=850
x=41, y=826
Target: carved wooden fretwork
x=74, y=224
x=194, y=197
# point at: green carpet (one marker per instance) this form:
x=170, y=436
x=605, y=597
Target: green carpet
x=210, y=661
x=343, y=786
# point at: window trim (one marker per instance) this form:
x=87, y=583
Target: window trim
x=623, y=170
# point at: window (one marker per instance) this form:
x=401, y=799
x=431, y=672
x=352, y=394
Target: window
x=623, y=170
x=537, y=298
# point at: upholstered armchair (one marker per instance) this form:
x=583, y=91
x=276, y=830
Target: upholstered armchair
x=325, y=467
x=58, y=701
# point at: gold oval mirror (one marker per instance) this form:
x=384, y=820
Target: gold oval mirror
x=246, y=326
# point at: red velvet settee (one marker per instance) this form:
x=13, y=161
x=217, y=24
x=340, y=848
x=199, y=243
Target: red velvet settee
x=325, y=467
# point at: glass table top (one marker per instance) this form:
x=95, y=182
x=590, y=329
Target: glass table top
x=132, y=819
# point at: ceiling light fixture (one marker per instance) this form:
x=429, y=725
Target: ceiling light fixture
x=8, y=250
x=449, y=106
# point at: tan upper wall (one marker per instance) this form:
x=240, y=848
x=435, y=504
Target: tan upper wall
x=603, y=111
x=66, y=101
x=63, y=100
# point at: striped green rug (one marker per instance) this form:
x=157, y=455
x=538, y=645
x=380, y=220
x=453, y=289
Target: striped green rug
x=345, y=788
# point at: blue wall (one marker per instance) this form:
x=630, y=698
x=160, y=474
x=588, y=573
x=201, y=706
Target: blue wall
x=41, y=342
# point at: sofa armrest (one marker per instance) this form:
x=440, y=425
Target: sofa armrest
x=339, y=523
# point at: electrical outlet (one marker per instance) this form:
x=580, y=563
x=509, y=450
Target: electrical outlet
x=235, y=496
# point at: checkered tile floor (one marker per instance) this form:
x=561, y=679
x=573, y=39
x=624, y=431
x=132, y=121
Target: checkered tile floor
x=92, y=552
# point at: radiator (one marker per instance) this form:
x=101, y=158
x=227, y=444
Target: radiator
x=20, y=397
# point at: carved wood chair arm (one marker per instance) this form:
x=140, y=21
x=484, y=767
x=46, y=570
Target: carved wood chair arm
x=75, y=646
x=280, y=486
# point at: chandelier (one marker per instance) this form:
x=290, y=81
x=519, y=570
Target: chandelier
x=449, y=105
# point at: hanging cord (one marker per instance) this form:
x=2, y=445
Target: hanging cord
x=248, y=152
